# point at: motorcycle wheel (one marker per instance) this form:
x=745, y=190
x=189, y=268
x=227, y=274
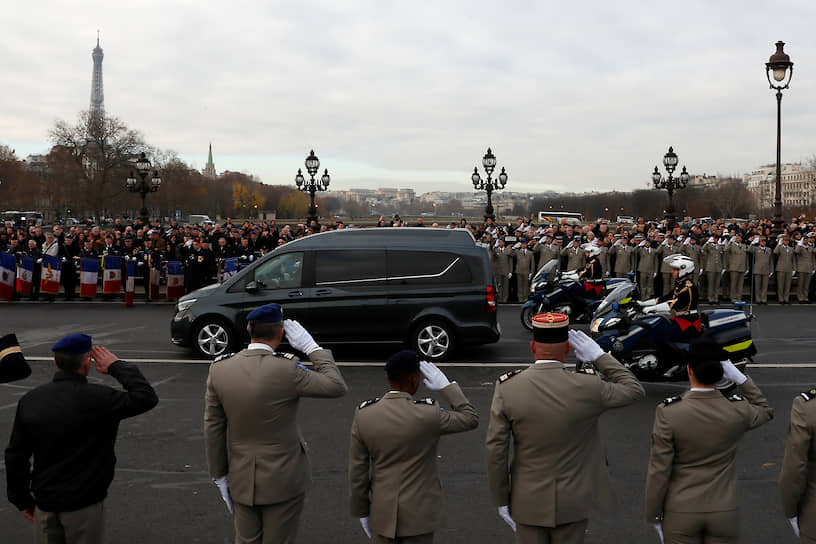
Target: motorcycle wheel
x=527, y=314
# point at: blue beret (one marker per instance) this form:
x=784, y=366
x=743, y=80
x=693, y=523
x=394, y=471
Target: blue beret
x=522, y=240
x=74, y=343
x=670, y=236
x=270, y=313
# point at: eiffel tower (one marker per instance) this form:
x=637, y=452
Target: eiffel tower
x=97, y=91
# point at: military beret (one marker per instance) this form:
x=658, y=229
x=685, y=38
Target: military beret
x=74, y=343
x=269, y=313
x=670, y=236
x=522, y=240
x=402, y=363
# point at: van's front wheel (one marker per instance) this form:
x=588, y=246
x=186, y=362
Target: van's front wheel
x=433, y=340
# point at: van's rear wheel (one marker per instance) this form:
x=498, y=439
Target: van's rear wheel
x=433, y=340
x=212, y=338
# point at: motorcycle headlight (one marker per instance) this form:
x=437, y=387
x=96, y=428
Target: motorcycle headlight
x=596, y=323
x=185, y=304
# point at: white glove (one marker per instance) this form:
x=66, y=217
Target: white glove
x=732, y=373
x=434, y=378
x=504, y=513
x=771, y=274
x=661, y=308
x=586, y=349
x=659, y=528
x=643, y=303
x=794, y=523
x=366, y=527
x=298, y=337
x=223, y=486
x=617, y=243
x=654, y=275
x=64, y=259
x=529, y=277
x=510, y=275
x=643, y=243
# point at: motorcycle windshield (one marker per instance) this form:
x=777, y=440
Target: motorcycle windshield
x=546, y=272
x=615, y=296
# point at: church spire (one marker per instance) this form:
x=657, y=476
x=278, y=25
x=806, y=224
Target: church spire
x=209, y=169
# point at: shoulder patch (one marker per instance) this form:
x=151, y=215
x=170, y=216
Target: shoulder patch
x=672, y=400
x=735, y=397
x=428, y=401
x=808, y=395
x=506, y=376
x=369, y=402
x=222, y=357
x=585, y=370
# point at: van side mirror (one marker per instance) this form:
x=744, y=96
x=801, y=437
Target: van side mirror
x=251, y=287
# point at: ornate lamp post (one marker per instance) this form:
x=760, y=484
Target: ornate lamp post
x=143, y=186
x=781, y=68
x=489, y=185
x=670, y=184
x=312, y=186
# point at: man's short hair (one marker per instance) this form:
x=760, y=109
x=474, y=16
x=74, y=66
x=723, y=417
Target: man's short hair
x=401, y=365
x=68, y=361
x=261, y=330
x=707, y=371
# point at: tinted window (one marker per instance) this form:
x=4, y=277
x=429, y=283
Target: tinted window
x=281, y=272
x=421, y=267
x=349, y=267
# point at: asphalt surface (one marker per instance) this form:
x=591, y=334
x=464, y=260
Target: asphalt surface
x=163, y=494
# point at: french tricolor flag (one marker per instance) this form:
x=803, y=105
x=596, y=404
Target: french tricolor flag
x=7, y=275
x=175, y=280
x=130, y=283
x=111, y=274
x=51, y=274
x=25, y=275
x=89, y=273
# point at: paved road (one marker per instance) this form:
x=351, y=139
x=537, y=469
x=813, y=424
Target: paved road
x=784, y=334
x=162, y=493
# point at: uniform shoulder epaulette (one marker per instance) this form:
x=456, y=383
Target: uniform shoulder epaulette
x=671, y=400
x=427, y=400
x=585, y=370
x=285, y=355
x=222, y=357
x=808, y=395
x=689, y=283
x=507, y=375
x=735, y=397
x=368, y=402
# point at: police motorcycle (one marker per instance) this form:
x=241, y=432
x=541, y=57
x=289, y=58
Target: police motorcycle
x=564, y=292
x=653, y=343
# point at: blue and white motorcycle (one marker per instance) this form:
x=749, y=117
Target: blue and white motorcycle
x=655, y=347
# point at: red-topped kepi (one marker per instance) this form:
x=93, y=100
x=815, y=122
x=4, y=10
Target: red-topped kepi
x=550, y=328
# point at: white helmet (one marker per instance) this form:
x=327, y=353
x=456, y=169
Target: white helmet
x=684, y=265
x=593, y=250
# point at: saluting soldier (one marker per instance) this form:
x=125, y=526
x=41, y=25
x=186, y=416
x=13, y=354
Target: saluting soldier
x=713, y=265
x=603, y=244
x=783, y=269
x=691, y=484
x=524, y=270
x=693, y=251
x=624, y=255
x=737, y=267
x=575, y=256
x=647, y=268
x=255, y=450
x=550, y=416
x=797, y=478
x=670, y=247
x=393, y=473
x=805, y=263
x=502, y=269
x=763, y=268
x=546, y=250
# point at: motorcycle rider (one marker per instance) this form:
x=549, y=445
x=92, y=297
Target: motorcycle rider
x=592, y=274
x=682, y=300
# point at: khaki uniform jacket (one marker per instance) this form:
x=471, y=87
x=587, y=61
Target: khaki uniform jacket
x=575, y=257
x=737, y=257
x=763, y=260
x=692, y=465
x=804, y=259
x=525, y=262
x=546, y=253
x=393, y=472
x=550, y=416
x=647, y=260
x=712, y=257
x=624, y=258
x=797, y=480
x=663, y=251
x=693, y=252
x=250, y=421
x=784, y=258
x=502, y=261
x=604, y=259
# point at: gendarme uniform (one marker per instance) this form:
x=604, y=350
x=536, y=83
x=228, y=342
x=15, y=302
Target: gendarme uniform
x=691, y=484
x=797, y=480
x=550, y=417
x=683, y=301
x=393, y=471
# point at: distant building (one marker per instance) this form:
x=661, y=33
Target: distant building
x=209, y=169
x=97, y=90
x=702, y=181
x=798, y=185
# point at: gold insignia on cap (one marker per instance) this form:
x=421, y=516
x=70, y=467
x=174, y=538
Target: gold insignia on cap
x=550, y=320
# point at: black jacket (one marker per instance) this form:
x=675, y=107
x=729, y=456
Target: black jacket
x=69, y=426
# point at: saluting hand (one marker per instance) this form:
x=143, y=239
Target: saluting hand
x=434, y=379
x=586, y=349
x=298, y=337
x=102, y=358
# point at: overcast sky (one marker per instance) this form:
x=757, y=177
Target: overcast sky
x=570, y=95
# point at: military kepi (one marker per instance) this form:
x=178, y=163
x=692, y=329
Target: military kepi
x=11, y=359
x=550, y=328
x=74, y=343
x=269, y=313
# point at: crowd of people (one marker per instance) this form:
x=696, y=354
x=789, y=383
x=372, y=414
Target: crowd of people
x=733, y=259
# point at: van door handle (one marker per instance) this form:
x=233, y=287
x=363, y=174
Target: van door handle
x=293, y=294
x=321, y=292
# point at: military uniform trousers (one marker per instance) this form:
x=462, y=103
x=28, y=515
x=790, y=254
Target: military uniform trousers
x=569, y=533
x=646, y=285
x=83, y=526
x=502, y=287
x=701, y=527
x=668, y=283
x=783, y=285
x=803, y=287
x=713, y=286
x=761, y=287
x=268, y=523
x=522, y=287
x=736, y=284
x=427, y=538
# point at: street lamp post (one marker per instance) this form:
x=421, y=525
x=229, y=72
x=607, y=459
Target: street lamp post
x=781, y=68
x=143, y=186
x=489, y=185
x=670, y=184
x=313, y=185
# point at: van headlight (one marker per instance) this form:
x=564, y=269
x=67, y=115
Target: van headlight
x=185, y=304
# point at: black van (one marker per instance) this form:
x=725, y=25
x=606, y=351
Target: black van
x=429, y=288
